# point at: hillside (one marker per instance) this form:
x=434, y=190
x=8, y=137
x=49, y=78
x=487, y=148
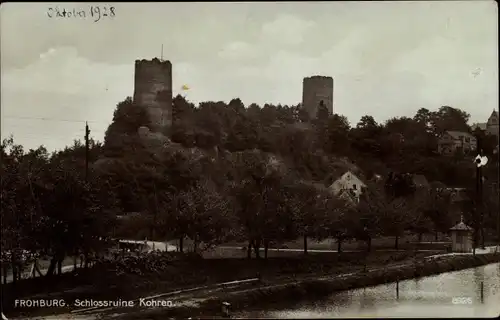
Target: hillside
x=312, y=149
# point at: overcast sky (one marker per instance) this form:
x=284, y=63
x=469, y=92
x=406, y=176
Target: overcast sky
x=387, y=58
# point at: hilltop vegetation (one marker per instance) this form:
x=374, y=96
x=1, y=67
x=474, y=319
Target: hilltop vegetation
x=230, y=172
x=312, y=147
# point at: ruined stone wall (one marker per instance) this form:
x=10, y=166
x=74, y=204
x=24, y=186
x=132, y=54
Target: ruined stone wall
x=153, y=90
x=316, y=89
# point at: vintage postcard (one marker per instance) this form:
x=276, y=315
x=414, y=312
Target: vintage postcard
x=249, y=160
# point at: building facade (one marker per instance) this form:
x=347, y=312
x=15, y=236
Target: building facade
x=461, y=237
x=316, y=91
x=491, y=126
x=348, y=187
x=451, y=142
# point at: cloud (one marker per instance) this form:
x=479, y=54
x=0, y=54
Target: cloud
x=238, y=51
x=62, y=70
x=286, y=29
x=61, y=85
x=387, y=58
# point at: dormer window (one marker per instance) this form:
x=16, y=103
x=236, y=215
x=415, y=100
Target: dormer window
x=354, y=187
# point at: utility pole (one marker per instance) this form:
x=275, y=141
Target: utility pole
x=87, y=133
x=154, y=217
x=480, y=203
x=498, y=228
x=480, y=162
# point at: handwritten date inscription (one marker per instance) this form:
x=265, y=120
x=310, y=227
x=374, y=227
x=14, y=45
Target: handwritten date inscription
x=96, y=13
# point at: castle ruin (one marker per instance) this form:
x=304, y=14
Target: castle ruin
x=153, y=91
x=317, y=90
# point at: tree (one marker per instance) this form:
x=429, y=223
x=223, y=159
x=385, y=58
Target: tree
x=260, y=200
x=366, y=137
x=448, y=118
x=181, y=109
x=15, y=210
x=424, y=117
x=435, y=206
x=78, y=214
x=200, y=213
x=336, y=134
x=369, y=213
x=399, y=185
x=231, y=172
x=277, y=214
x=395, y=212
x=310, y=209
x=400, y=215
x=127, y=118
x=367, y=123
x=210, y=123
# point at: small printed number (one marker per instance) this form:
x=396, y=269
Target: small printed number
x=462, y=300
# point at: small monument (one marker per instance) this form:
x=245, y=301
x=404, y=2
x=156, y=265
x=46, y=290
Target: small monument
x=461, y=237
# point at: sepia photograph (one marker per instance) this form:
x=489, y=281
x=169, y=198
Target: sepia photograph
x=249, y=160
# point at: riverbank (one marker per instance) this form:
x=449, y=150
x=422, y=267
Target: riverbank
x=158, y=273
x=316, y=288
x=433, y=296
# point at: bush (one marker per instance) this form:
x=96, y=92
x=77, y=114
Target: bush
x=155, y=262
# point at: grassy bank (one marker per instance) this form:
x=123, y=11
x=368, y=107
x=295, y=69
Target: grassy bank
x=406, y=242
x=317, y=288
x=169, y=272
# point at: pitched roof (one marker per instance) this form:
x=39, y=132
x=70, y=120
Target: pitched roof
x=457, y=134
x=481, y=126
x=345, y=176
x=461, y=226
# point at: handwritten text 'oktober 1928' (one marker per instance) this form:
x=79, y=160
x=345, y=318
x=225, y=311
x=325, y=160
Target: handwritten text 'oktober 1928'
x=96, y=13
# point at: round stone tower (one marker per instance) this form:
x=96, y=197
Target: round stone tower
x=317, y=90
x=153, y=91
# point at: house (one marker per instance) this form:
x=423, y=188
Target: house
x=489, y=127
x=348, y=187
x=451, y=142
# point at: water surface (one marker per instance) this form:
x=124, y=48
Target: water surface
x=452, y=294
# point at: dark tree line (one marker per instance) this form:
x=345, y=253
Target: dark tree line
x=230, y=172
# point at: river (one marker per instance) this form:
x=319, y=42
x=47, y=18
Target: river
x=452, y=294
